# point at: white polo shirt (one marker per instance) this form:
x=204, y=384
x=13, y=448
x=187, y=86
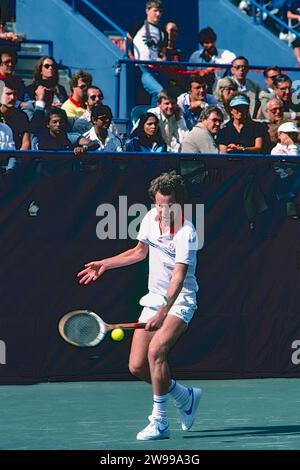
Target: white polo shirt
x=165, y=250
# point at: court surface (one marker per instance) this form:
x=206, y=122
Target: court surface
x=233, y=414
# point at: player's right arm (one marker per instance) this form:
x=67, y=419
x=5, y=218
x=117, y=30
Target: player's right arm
x=95, y=269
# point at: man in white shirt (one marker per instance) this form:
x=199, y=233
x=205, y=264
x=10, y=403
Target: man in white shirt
x=172, y=244
x=209, y=53
x=148, y=45
x=94, y=96
x=7, y=143
x=172, y=126
x=101, y=117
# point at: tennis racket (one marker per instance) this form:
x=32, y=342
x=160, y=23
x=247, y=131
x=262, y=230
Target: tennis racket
x=85, y=328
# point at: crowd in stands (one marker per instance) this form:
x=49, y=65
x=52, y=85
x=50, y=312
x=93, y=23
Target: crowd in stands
x=288, y=11
x=204, y=113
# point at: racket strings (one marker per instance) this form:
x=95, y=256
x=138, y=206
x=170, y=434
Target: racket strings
x=82, y=329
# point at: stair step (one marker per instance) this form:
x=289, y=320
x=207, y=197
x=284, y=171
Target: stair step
x=31, y=48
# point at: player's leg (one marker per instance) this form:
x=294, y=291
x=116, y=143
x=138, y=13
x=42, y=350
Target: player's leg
x=161, y=343
x=164, y=339
x=186, y=399
x=138, y=358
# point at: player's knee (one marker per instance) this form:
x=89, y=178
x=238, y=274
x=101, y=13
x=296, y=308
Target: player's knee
x=155, y=354
x=136, y=369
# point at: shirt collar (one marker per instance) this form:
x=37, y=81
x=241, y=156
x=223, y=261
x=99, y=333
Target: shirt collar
x=76, y=103
x=202, y=54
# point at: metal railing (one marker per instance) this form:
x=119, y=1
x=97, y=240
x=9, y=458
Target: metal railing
x=51, y=155
x=76, y=9
x=181, y=65
x=256, y=6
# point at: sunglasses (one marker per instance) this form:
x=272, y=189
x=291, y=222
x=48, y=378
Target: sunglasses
x=238, y=67
x=8, y=62
x=82, y=87
x=93, y=97
x=48, y=66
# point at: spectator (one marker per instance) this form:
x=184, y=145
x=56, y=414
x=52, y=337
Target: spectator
x=35, y=110
x=283, y=91
x=270, y=73
x=275, y=111
x=275, y=117
x=83, y=123
x=209, y=53
x=93, y=97
x=146, y=137
x=293, y=13
x=288, y=135
x=47, y=69
x=8, y=62
x=101, y=117
x=172, y=126
x=79, y=84
x=172, y=53
x=6, y=138
x=239, y=70
x=54, y=134
x=7, y=36
x=7, y=143
x=148, y=44
x=241, y=133
x=15, y=118
x=202, y=138
x=225, y=87
x=194, y=101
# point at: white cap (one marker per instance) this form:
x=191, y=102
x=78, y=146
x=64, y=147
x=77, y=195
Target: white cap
x=288, y=127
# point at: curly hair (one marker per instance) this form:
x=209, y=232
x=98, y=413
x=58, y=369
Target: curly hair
x=81, y=75
x=166, y=184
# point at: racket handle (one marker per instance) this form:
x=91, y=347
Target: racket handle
x=129, y=326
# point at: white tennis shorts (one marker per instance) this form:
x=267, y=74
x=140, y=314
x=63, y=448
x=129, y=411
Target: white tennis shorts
x=183, y=308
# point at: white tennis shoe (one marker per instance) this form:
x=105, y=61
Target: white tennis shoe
x=157, y=429
x=187, y=414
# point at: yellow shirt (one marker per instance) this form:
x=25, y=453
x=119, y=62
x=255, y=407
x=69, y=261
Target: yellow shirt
x=73, y=108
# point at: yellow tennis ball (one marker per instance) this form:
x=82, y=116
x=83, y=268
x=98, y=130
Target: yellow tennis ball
x=117, y=334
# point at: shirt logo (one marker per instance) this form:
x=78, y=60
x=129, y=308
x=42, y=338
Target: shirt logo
x=33, y=209
x=171, y=247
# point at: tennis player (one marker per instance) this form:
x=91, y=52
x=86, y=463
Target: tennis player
x=170, y=304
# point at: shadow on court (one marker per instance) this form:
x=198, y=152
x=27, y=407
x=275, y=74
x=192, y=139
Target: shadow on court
x=245, y=431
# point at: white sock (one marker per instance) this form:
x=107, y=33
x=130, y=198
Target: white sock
x=160, y=407
x=179, y=393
